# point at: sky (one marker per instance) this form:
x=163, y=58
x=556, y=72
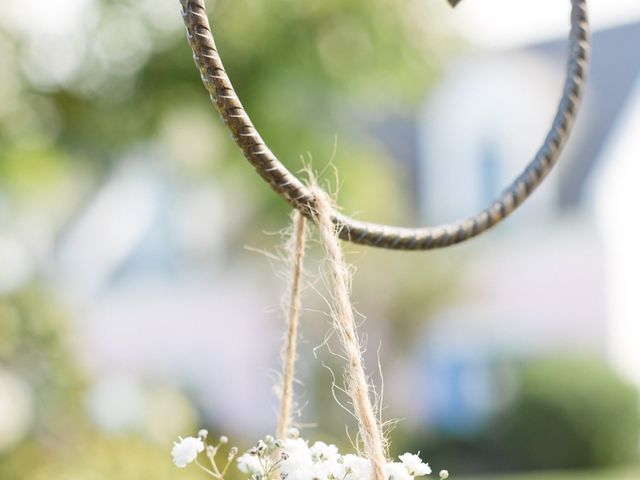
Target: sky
x=487, y=23
x=507, y=23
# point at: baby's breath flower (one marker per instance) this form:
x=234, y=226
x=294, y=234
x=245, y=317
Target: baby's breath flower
x=414, y=465
x=186, y=451
x=357, y=467
x=396, y=471
x=299, y=463
x=298, y=449
x=293, y=432
x=250, y=464
x=232, y=453
x=321, y=452
x=329, y=470
x=293, y=459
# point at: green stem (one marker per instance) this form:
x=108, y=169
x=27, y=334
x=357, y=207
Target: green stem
x=213, y=474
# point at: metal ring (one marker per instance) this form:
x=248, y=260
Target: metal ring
x=296, y=193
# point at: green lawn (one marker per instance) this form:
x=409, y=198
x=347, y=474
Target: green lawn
x=622, y=474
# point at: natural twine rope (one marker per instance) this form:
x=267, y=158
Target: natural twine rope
x=345, y=324
x=297, y=248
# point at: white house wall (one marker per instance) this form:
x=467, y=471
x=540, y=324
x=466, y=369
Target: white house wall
x=503, y=102
x=617, y=197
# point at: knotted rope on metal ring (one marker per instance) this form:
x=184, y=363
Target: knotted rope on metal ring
x=298, y=195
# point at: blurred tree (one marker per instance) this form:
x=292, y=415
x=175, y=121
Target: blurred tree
x=131, y=74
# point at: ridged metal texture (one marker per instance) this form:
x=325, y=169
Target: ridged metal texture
x=296, y=193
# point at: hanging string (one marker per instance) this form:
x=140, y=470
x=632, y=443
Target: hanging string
x=297, y=249
x=345, y=325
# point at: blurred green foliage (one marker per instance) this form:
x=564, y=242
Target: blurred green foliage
x=134, y=81
x=630, y=473
x=571, y=414
x=566, y=413
x=95, y=458
x=60, y=442
x=35, y=345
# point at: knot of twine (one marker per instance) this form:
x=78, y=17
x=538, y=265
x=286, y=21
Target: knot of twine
x=344, y=323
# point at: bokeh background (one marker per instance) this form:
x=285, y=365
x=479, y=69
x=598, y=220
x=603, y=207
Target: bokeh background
x=140, y=256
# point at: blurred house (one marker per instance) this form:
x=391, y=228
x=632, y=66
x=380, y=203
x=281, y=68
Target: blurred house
x=556, y=278
x=143, y=270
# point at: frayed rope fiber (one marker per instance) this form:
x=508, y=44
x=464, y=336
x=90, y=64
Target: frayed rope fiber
x=296, y=249
x=345, y=325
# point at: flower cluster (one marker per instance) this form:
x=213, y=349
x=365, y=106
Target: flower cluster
x=187, y=450
x=294, y=459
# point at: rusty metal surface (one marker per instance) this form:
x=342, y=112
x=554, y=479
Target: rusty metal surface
x=296, y=193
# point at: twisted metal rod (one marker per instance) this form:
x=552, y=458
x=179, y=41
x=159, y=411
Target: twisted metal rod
x=296, y=193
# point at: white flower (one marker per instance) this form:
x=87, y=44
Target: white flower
x=357, y=468
x=298, y=465
x=335, y=470
x=298, y=451
x=322, y=470
x=396, y=471
x=298, y=461
x=297, y=447
x=297, y=471
x=186, y=451
x=414, y=465
x=299, y=474
x=328, y=470
x=321, y=452
x=250, y=464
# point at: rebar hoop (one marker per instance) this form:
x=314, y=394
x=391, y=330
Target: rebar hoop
x=296, y=193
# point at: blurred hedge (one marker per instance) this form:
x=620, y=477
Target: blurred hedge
x=570, y=414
